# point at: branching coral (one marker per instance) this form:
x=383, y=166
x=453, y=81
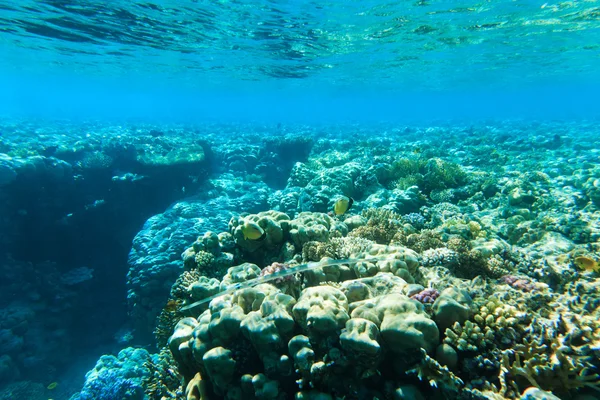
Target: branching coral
x=170, y=314
x=437, y=376
x=381, y=225
x=336, y=248
x=469, y=337
x=424, y=240
x=163, y=381
x=440, y=256
x=166, y=320
x=440, y=174
x=546, y=367
x=495, y=324
x=558, y=353
x=406, y=172
x=96, y=160
x=504, y=338
x=415, y=219
x=473, y=261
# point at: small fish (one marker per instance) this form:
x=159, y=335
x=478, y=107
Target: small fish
x=172, y=305
x=587, y=263
x=342, y=205
x=52, y=386
x=252, y=231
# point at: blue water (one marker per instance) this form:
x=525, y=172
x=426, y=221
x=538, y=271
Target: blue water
x=300, y=61
x=115, y=63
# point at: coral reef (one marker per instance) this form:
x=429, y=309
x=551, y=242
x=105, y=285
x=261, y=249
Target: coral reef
x=381, y=227
x=486, y=285
x=121, y=377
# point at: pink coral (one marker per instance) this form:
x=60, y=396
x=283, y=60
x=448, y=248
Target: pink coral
x=277, y=268
x=426, y=295
x=515, y=282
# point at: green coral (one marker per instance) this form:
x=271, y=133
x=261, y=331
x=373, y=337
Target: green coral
x=356, y=316
x=476, y=261
x=407, y=171
x=424, y=240
x=164, y=154
x=441, y=174
x=381, y=227
x=163, y=380
x=547, y=367
x=429, y=175
x=495, y=324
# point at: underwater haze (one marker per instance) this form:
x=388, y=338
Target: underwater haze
x=301, y=61
x=268, y=200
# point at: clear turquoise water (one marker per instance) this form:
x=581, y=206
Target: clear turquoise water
x=297, y=59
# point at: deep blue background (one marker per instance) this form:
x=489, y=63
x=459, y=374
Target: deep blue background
x=130, y=97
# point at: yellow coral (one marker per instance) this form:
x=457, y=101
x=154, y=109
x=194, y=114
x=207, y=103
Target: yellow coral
x=495, y=323
x=381, y=225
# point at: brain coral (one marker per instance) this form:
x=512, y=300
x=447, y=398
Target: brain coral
x=319, y=227
x=249, y=342
x=274, y=223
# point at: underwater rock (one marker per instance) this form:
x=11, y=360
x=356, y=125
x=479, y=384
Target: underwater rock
x=204, y=287
x=301, y=351
x=196, y=389
x=355, y=221
x=325, y=332
x=446, y=356
x=260, y=387
x=178, y=341
x=220, y=367
x=408, y=392
x=158, y=155
x=451, y=306
x=534, y=393
x=8, y=369
x=225, y=322
x=357, y=290
x=403, y=323
x=592, y=190
x=300, y=175
x=7, y=172
x=553, y=243
x=402, y=202
x=240, y=273
x=520, y=197
x=398, y=260
x=321, y=310
x=360, y=338
x=267, y=328
x=312, y=395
